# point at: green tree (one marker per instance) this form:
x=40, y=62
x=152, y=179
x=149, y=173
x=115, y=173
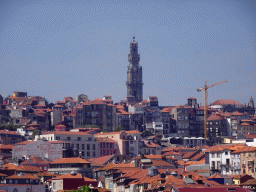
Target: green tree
x=118, y=128
x=90, y=126
x=84, y=188
x=35, y=132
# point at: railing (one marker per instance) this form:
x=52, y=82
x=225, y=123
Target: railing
x=225, y=165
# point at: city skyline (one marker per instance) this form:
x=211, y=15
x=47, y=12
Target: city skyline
x=63, y=48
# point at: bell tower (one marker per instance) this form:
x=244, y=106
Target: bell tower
x=134, y=73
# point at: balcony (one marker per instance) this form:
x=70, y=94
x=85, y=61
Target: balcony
x=227, y=165
x=215, y=167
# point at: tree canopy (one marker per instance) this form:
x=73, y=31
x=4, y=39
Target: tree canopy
x=84, y=188
x=118, y=128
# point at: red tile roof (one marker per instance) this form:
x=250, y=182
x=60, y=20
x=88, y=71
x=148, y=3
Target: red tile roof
x=23, y=176
x=166, y=110
x=144, y=101
x=151, y=144
x=215, y=117
x=198, y=157
x=73, y=101
x=110, y=133
x=189, y=154
x=6, y=147
x=191, y=98
x=24, y=142
x=245, y=124
x=250, y=136
x=31, y=128
x=226, y=102
x=105, y=140
x=9, y=132
x=70, y=160
x=9, y=166
x=61, y=102
x=100, y=160
x=237, y=113
x=133, y=131
x=68, y=176
x=223, y=147
x=55, y=106
x=39, y=105
x=35, y=160
x=65, y=133
x=191, y=188
x=28, y=168
x=122, y=112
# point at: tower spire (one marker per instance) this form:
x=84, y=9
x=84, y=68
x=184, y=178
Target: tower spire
x=134, y=73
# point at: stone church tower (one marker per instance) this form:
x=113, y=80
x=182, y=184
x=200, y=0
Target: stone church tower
x=134, y=74
x=251, y=103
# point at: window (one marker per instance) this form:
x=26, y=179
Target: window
x=54, y=185
x=213, y=165
x=94, y=154
x=88, y=153
x=57, y=137
x=218, y=164
x=226, y=153
x=77, y=146
x=82, y=153
x=78, y=138
x=89, y=139
x=88, y=146
x=93, y=146
x=213, y=155
x=68, y=138
x=45, y=168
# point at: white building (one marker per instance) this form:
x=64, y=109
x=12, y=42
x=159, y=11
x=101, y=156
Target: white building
x=235, y=161
x=82, y=142
x=219, y=159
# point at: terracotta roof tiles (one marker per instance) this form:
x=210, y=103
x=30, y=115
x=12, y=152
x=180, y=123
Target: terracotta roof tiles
x=226, y=102
x=70, y=160
x=215, y=117
x=100, y=160
x=68, y=176
x=105, y=140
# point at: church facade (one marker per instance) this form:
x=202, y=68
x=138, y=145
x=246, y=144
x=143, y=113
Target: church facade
x=134, y=74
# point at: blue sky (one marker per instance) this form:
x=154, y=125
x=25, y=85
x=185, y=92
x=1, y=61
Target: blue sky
x=66, y=48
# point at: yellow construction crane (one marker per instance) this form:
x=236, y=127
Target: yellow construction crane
x=205, y=88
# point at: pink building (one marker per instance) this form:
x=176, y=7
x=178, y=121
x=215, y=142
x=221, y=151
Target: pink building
x=60, y=127
x=120, y=138
x=107, y=146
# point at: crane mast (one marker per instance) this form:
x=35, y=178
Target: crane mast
x=205, y=88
